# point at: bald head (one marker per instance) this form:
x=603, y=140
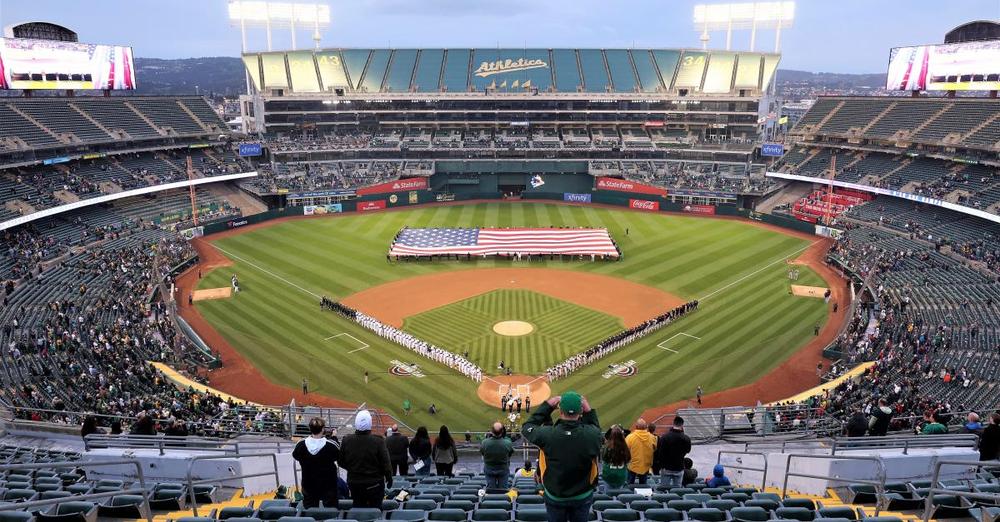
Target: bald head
x=640, y=424
x=497, y=428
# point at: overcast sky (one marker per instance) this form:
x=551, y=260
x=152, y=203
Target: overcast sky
x=828, y=35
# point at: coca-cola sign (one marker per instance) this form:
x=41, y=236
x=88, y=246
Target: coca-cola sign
x=644, y=204
x=624, y=185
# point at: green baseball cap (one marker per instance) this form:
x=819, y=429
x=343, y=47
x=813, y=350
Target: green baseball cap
x=570, y=402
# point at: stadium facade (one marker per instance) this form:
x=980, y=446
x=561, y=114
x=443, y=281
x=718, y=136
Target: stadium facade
x=516, y=112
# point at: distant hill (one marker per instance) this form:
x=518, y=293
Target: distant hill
x=214, y=76
x=223, y=76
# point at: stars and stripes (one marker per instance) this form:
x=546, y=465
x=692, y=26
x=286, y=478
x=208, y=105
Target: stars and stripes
x=503, y=241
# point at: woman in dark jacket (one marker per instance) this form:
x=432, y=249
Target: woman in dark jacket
x=420, y=451
x=444, y=453
x=989, y=441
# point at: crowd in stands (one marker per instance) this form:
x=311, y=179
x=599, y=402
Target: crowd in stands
x=348, y=175
x=931, y=325
x=418, y=346
x=618, y=341
x=695, y=176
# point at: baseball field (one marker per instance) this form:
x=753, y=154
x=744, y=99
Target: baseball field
x=747, y=325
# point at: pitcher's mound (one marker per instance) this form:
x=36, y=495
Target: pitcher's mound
x=513, y=328
x=494, y=387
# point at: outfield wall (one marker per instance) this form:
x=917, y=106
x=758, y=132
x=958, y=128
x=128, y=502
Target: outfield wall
x=640, y=202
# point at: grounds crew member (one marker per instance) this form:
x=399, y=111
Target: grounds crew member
x=496, y=450
x=568, y=453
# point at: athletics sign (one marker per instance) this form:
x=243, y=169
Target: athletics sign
x=624, y=185
x=503, y=66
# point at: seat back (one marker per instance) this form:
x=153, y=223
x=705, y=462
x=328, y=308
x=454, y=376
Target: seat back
x=493, y=515
x=623, y=515
x=749, y=514
x=663, y=515
x=707, y=514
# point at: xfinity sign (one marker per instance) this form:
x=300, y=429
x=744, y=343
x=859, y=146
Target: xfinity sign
x=772, y=150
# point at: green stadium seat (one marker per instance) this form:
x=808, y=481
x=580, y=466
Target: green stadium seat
x=700, y=498
x=530, y=500
x=643, y=505
x=491, y=515
x=123, y=506
x=195, y=519
x=344, y=504
x=663, y=515
x=496, y=504
x=838, y=512
x=16, y=516
x=683, y=505
x=411, y=515
x=363, y=514
x=707, y=515
x=723, y=505
x=738, y=497
x=235, y=512
x=274, y=502
x=807, y=503
x=389, y=504
x=665, y=497
x=750, y=514
x=450, y=515
x=464, y=505
x=601, y=505
x=321, y=513
x=763, y=503
x=425, y=505
x=629, y=497
x=769, y=496
x=795, y=513
x=534, y=514
x=276, y=512
x=621, y=515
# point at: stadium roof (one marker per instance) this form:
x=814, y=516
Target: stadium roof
x=512, y=70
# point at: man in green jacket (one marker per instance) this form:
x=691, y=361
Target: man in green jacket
x=496, y=450
x=568, y=452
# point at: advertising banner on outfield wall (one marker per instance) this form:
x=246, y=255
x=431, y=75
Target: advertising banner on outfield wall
x=315, y=210
x=624, y=185
x=577, y=198
x=364, y=206
x=644, y=204
x=400, y=185
x=700, y=209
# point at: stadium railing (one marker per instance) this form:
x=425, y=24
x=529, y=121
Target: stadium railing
x=189, y=478
x=878, y=483
x=740, y=465
x=141, y=490
x=936, y=487
x=163, y=443
x=888, y=442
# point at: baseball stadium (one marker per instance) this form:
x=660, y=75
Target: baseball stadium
x=264, y=317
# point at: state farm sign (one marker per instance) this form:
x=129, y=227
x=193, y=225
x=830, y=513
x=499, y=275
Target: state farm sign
x=400, y=185
x=644, y=204
x=624, y=185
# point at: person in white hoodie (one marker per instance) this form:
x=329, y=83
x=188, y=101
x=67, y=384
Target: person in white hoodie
x=317, y=456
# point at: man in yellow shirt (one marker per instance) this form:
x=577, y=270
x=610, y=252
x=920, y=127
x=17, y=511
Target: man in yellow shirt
x=641, y=444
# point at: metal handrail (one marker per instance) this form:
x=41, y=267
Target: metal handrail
x=935, y=489
x=879, y=483
x=905, y=441
x=191, y=483
x=740, y=466
x=141, y=490
x=160, y=442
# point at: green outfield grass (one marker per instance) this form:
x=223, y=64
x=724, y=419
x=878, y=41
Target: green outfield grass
x=748, y=322
x=561, y=328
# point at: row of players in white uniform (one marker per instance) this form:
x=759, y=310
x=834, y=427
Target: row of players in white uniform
x=617, y=341
x=452, y=360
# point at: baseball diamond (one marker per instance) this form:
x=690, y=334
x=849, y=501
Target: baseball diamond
x=737, y=269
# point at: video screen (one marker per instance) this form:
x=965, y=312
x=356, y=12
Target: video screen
x=970, y=66
x=44, y=64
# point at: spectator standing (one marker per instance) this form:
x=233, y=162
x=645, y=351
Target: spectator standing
x=366, y=459
x=615, y=458
x=496, y=450
x=989, y=442
x=857, y=425
x=444, y=453
x=881, y=416
x=569, y=450
x=641, y=445
x=671, y=450
x=420, y=451
x=398, y=446
x=317, y=456
x=933, y=424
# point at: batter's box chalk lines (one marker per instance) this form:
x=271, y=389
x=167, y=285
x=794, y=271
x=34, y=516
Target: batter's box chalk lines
x=660, y=346
x=345, y=334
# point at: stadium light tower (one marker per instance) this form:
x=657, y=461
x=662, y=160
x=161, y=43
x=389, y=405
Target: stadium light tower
x=752, y=16
x=275, y=15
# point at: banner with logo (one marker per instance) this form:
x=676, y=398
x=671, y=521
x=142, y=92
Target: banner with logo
x=577, y=198
x=236, y=223
x=400, y=185
x=700, y=209
x=364, y=206
x=413, y=197
x=316, y=210
x=250, y=149
x=644, y=204
x=191, y=233
x=318, y=194
x=624, y=185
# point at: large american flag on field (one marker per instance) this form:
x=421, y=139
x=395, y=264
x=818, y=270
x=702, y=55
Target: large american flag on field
x=503, y=241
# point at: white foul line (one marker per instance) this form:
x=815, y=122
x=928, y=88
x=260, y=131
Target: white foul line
x=660, y=345
x=759, y=270
x=359, y=341
x=268, y=272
